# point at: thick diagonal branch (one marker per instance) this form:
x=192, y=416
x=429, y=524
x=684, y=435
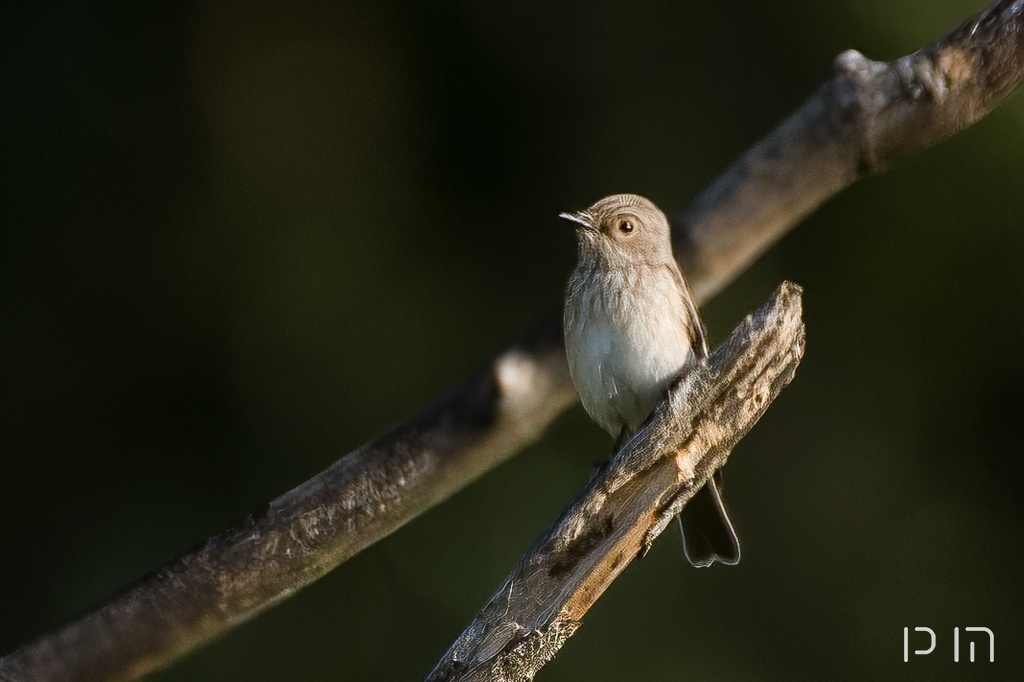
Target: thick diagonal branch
x=624, y=507
x=868, y=114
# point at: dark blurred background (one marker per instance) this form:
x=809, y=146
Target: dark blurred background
x=241, y=238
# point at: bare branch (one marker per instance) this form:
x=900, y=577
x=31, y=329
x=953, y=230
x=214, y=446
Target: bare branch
x=623, y=508
x=309, y=530
x=869, y=113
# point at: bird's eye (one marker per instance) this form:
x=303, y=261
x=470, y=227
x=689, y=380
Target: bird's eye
x=625, y=227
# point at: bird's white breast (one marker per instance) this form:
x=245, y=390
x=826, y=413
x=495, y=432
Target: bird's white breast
x=627, y=339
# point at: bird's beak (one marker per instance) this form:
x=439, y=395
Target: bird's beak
x=582, y=218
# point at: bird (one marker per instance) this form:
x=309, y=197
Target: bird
x=631, y=330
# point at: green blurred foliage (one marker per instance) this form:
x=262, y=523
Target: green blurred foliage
x=239, y=239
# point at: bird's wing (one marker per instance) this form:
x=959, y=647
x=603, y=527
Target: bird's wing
x=698, y=336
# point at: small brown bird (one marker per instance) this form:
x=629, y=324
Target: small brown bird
x=631, y=329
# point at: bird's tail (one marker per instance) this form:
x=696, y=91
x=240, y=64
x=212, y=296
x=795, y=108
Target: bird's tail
x=708, y=534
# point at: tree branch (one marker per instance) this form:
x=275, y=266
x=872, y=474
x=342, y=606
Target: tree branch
x=624, y=507
x=311, y=529
x=868, y=114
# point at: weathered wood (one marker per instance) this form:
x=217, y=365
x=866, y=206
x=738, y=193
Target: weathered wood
x=866, y=116
x=631, y=501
